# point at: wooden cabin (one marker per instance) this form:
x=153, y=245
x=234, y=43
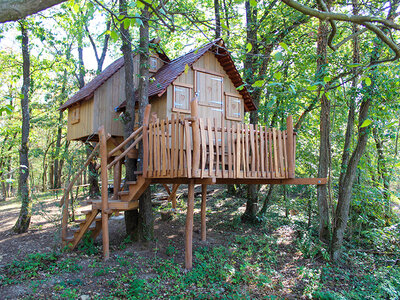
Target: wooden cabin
x=207, y=72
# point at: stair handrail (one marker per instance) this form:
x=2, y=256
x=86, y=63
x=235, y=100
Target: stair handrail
x=119, y=157
x=71, y=184
x=120, y=146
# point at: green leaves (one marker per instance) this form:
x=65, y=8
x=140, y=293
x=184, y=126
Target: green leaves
x=312, y=87
x=278, y=56
x=278, y=75
x=253, y=3
x=366, y=123
x=367, y=81
x=140, y=4
x=285, y=46
x=249, y=47
x=8, y=109
x=186, y=68
x=258, y=83
x=114, y=35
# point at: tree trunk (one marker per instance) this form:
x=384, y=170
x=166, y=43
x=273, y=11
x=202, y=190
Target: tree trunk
x=57, y=181
x=94, y=189
x=346, y=186
x=146, y=221
x=217, y=19
x=131, y=216
x=250, y=214
x=382, y=171
x=267, y=200
x=24, y=218
x=325, y=148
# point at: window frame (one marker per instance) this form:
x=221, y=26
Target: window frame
x=75, y=111
x=183, y=85
x=212, y=73
x=150, y=67
x=239, y=97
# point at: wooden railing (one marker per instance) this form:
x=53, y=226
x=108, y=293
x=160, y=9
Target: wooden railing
x=198, y=148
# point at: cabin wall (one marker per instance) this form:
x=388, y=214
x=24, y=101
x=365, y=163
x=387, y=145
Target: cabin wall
x=159, y=106
x=207, y=63
x=84, y=127
x=106, y=98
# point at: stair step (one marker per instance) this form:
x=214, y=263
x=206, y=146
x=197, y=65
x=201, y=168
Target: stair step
x=131, y=182
x=86, y=212
x=69, y=238
x=117, y=205
x=122, y=193
x=138, y=172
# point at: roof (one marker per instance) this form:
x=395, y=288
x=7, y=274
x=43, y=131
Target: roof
x=170, y=71
x=88, y=90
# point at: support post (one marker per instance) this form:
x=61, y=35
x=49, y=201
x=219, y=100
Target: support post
x=189, y=227
x=104, y=193
x=203, y=211
x=290, y=146
x=194, y=112
x=146, y=119
x=117, y=179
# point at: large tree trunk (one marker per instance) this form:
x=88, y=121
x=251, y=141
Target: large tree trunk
x=146, y=221
x=13, y=10
x=250, y=214
x=24, y=218
x=325, y=126
x=346, y=186
x=131, y=216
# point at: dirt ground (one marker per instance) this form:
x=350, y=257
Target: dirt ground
x=44, y=236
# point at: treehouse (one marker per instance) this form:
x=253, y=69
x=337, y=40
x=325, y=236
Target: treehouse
x=193, y=132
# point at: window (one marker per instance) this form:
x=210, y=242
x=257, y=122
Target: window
x=75, y=113
x=209, y=89
x=233, y=107
x=153, y=64
x=181, y=97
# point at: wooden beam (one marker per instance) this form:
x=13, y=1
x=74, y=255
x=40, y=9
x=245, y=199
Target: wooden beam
x=183, y=180
x=299, y=181
x=104, y=193
x=290, y=146
x=203, y=211
x=117, y=179
x=189, y=227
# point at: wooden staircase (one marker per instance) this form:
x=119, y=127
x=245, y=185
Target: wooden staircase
x=127, y=200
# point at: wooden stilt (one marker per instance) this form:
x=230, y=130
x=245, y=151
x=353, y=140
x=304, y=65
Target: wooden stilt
x=104, y=193
x=189, y=227
x=117, y=179
x=203, y=211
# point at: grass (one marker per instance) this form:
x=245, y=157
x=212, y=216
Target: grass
x=245, y=262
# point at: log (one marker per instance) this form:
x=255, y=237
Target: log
x=189, y=227
x=104, y=193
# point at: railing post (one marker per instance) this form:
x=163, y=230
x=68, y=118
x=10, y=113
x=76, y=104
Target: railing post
x=290, y=146
x=194, y=112
x=146, y=120
x=104, y=192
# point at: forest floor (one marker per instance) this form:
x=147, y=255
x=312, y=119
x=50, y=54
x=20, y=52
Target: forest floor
x=275, y=259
